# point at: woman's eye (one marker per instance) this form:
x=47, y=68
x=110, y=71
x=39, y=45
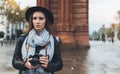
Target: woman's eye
x=41, y=18
x=34, y=18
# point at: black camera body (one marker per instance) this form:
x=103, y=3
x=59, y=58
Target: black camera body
x=35, y=58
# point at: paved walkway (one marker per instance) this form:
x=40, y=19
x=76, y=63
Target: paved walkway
x=101, y=58
x=6, y=53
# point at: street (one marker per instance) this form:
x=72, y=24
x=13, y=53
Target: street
x=101, y=58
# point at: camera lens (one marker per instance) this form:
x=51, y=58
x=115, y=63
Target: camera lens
x=34, y=61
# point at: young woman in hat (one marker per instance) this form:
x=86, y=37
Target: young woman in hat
x=37, y=52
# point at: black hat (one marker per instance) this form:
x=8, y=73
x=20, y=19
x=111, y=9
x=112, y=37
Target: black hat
x=47, y=13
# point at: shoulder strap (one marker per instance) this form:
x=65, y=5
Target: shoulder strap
x=57, y=41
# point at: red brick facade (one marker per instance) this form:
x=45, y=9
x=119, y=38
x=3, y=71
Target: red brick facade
x=71, y=21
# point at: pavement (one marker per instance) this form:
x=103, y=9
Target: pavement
x=101, y=58
x=6, y=53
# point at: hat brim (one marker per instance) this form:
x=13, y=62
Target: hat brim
x=47, y=13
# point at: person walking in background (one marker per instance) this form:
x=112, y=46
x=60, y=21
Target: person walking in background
x=112, y=39
x=38, y=51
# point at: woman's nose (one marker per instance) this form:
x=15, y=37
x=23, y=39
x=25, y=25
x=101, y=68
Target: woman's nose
x=37, y=20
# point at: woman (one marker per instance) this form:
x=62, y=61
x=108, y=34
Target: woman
x=37, y=52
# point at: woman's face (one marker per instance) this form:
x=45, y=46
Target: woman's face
x=39, y=21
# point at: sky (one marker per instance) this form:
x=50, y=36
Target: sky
x=102, y=12
x=24, y=3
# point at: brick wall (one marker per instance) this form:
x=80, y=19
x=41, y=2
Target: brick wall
x=71, y=21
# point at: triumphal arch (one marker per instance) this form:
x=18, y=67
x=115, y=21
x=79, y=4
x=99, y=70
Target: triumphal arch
x=71, y=21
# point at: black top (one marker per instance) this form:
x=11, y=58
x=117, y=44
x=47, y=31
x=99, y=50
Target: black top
x=55, y=65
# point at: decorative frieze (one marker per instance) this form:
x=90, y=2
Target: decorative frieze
x=70, y=28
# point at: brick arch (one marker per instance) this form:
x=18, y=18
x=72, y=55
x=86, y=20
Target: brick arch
x=71, y=21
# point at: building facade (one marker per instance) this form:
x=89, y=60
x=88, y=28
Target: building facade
x=71, y=21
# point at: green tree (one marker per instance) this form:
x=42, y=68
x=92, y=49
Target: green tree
x=14, y=14
x=94, y=36
x=110, y=32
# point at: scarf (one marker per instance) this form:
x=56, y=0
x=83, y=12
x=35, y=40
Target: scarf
x=34, y=40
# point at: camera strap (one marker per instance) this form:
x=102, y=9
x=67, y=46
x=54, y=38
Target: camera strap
x=37, y=49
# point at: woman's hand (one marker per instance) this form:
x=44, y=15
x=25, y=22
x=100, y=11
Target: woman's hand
x=44, y=61
x=28, y=64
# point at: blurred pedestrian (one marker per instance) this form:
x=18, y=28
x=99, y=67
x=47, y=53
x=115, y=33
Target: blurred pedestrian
x=112, y=40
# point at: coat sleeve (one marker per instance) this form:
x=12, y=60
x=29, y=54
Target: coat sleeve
x=56, y=64
x=17, y=57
